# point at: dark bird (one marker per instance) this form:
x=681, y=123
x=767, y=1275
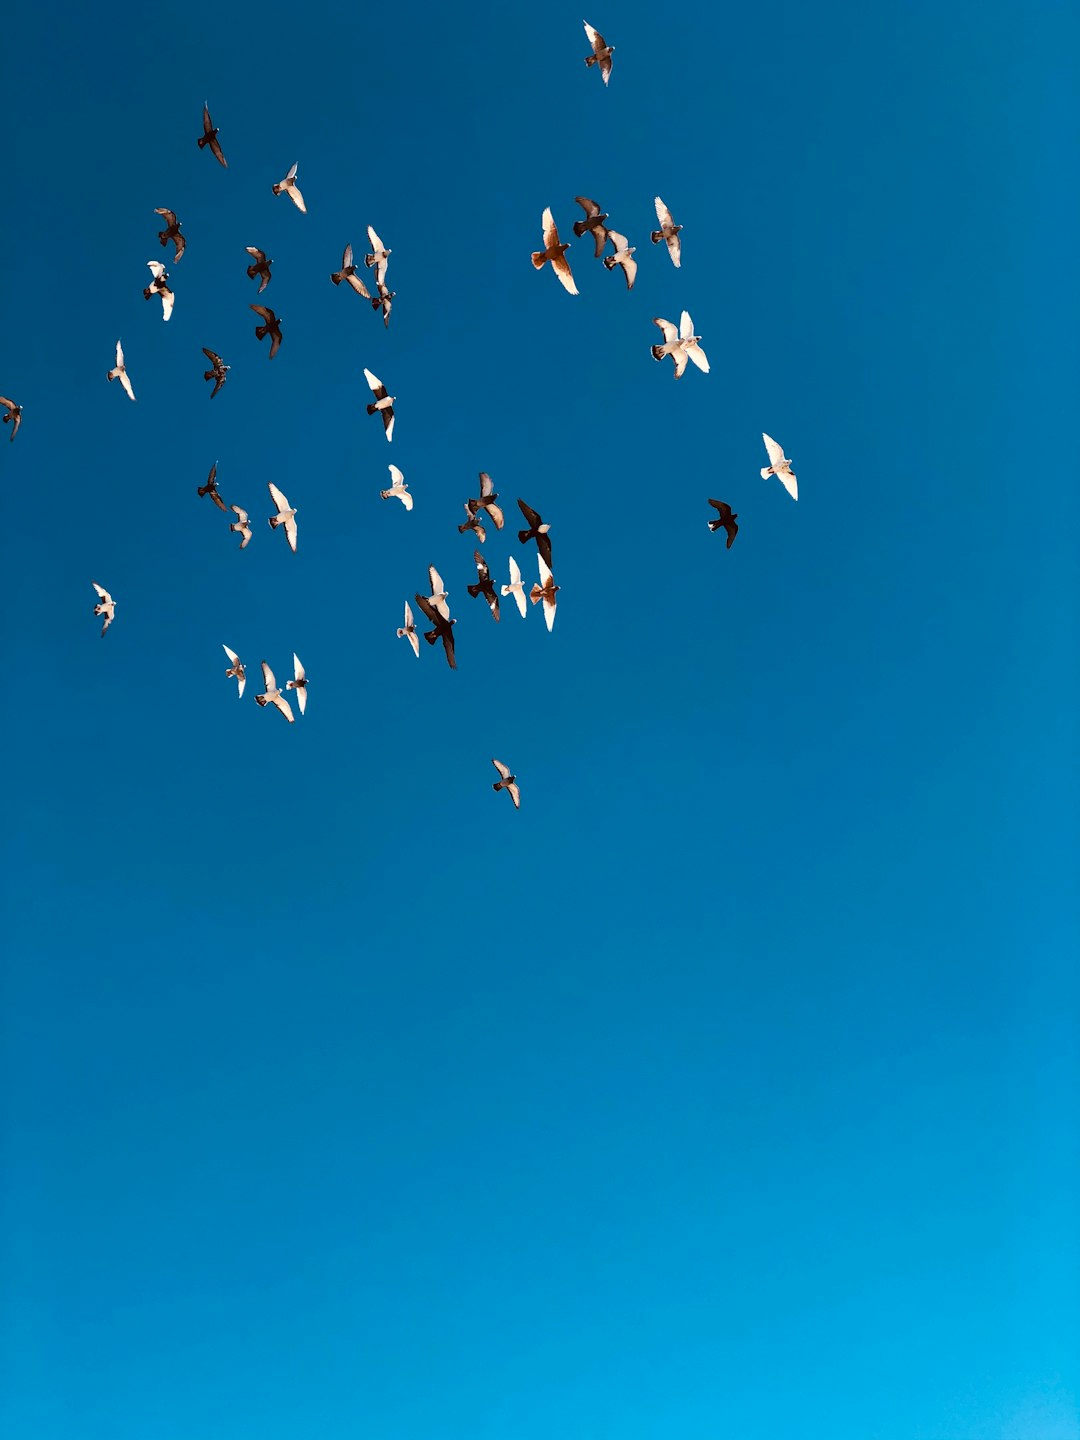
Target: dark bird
x=210, y=488
x=555, y=252
x=13, y=413
x=624, y=256
x=271, y=328
x=383, y=298
x=218, y=371
x=209, y=137
x=594, y=221
x=668, y=232
x=507, y=783
x=171, y=232
x=537, y=531
x=348, y=273
x=727, y=520
x=260, y=268
x=474, y=522
x=601, y=52
x=384, y=403
x=444, y=630
x=484, y=586
x=485, y=501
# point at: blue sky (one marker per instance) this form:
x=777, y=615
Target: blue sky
x=729, y=1088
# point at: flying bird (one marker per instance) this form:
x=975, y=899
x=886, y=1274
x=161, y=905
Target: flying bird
x=555, y=252
x=444, y=629
x=486, y=501
x=273, y=695
x=210, y=488
x=159, y=287
x=408, y=631
x=438, y=594
x=348, y=273
x=624, y=256
x=594, y=221
x=727, y=520
x=241, y=528
x=171, y=232
x=601, y=52
x=286, y=515
x=516, y=588
x=545, y=591
x=507, y=783
x=473, y=522
x=537, y=531
x=780, y=466
x=236, y=671
x=299, y=684
x=107, y=607
x=272, y=327
x=209, y=137
x=483, y=585
x=261, y=266
x=384, y=403
x=118, y=372
x=398, y=490
x=668, y=232
x=383, y=298
x=379, y=257
x=681, y=345
x=217, y=372
x=290, y=187
x=13, y=412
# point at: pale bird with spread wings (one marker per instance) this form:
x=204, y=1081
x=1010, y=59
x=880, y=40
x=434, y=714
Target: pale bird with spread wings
x=601, y=51
x=681, y=344
x=555, y=252
x=349, y=275
x=668, y=232
x=399, y=490
x=119, y=372
x=13, y=413
x=508, y=782
x=289, y=187
x=105, y=609
x=285, y=515
x=624, y=256
x=273, y=695
x=298, y=683
x=236, y=671
x=780, y=466
x=408, y=631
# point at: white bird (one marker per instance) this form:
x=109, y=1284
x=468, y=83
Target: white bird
x=273, y=695
x=398, y=490
x=507, y=783
x=624, y=256
x=681, y=345
x=780, y=466
x=299, y=684
x=545, y=591
x=158, y=286
x=438, y=592
x=408, y=631
x=241, y=528
x=119, y=373
x=107, y=608
x=236, y=671
x=290, y=187
x=379, y=257
x=668, y=232
x=286, y=515
x=516, y=588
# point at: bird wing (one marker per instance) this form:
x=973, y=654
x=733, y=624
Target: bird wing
x=215, y=360
x=378, y=389
x=167, y=300
x=290, y=532
x=674, y=245
x=376, y=243
x=295, y=196
x=789, y=482
x=256, y=253
x=414, y=641
x=495, y=514
x=481, y=566
x=671, y=335
x=515, y=795
x=776, y=452
x=547, y=225
x=530, y=514
x=561, y=266
x=596, y=40
x=241, y=515
x=487, y=486
x=290, y=176
x=233, y=656
x=358, y=285
x=515, y=574
x=278, y=498
x=549, y=611
x=629, y=265
x=301, y=697
x=298, y=669
x=396, y=476
x=437, y=586
x=504, y=770
x=663, y=214
x=388, y=422
x=280, y=703
x=126, y=383
x=545, y=570
x=241, y=681
x=215, y=150
x=619, y=241
x=157, y=270
x=207, y=123
x=605, y=71
x=169, y=215
x=267, y=315
x=686, y=326
x=106, y=598
x=590, y=207
x=679, y=357
x=697, y=355
x=269, y=683
x=722, y=506
x=428, y=609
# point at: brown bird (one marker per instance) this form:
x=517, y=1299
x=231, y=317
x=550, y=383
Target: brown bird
x=485, y=501
x=554, y=252
x=209, y=137
x=348, y=272
x=13, y=413
x=507, y=783
x=383, y=298
x=473, y=522
x=545, y=591
x=484, y=586
x=210, y=488
x=601, y=52
x=260, y=268
x=384, y=402
x=444, y=630
x=727, y=520
x=271, y=328
x=594, y=221
x=218, y=371
x=171, y=232
x=537, y=531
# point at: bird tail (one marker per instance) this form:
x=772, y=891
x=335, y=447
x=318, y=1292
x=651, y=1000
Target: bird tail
x=337, y=279
x=657, y=352
x=524, y=536
x=274, y=522
x=610, y=262
x=163, y=237
x=146, y=293
x=462, y=528
x=261, y=332
x=766, y=471
x=371, y=409
x=579, y=228
x=656, y=236
x=260, y=699
x=277, y=189
x=715, y=524
x=536, y=594
x=474, y=590
x=590, y=60
x=208, y=374
x=431, y=636
x=369, y=261
x=497, y=785
x=538, y=258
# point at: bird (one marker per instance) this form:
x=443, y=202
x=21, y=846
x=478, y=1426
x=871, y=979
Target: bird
x=681, y=345
x=348, y=272
x=438, y=596
x=261, y=266
x=486, y=501
x=537, y=531
x=408, y=631
x=217, y=372
x=286, y=515
x=515, y=587
x=107, y=607
x=554, y=252
x=545, y=591
x=474, y=523
x=780, y=466
x=241, y=527
x=601, y=52
x=171, y=232
x=594, y=221
x=444, y=629
x=210, y=488
x=384, y=403
x=483, y=585
x=290, y=187
x=159, y=287
x=727, y=520
x=118, y=372
x=272, y=328
x=273, y=695
x=507, y=783
x=299, y=684
x=624, y=256
x=668, y=232
x=398, y=490
x=13, y=413
x=209, y=137
x=383, y=298
x=379, y=257
x=236, y=671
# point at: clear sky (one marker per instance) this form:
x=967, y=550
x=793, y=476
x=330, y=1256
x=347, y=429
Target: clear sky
x=730, y=1087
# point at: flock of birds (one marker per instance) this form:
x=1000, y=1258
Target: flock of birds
x=680, y=343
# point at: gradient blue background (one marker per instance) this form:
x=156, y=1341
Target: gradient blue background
x=730, y=1088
